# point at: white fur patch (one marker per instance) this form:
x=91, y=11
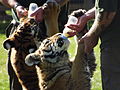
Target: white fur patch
x=31, y=50
x=8, y=46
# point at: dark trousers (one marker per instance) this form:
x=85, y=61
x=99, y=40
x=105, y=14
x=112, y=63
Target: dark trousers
x=110, y=68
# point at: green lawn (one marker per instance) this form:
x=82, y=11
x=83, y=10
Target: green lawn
x=96, y=80
x=3, y=58
x=4, y=84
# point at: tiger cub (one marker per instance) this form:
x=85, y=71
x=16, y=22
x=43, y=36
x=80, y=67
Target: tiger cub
x=54, y=68
x=21, y=43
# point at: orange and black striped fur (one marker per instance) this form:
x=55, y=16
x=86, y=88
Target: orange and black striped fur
x=54, y=68
x=21, y=43
x=25, y=38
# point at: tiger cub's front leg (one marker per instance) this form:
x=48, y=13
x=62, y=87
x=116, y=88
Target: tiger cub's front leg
x=51, y=13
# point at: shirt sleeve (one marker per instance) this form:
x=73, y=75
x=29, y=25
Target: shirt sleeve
x=107, y=5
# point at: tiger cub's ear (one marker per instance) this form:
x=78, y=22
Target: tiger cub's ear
x=7, y=44
x=32, y=59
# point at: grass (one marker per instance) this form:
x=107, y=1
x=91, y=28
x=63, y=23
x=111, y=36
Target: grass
x=4, y=83
x=3, y=68
x=96, y=80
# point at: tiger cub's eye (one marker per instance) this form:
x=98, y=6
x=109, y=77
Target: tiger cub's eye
x=60, y=42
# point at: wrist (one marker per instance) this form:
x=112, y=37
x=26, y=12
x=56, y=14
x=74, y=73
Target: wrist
x=86, y=17
x=89, y=16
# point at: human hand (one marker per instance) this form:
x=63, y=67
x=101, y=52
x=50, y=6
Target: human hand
x=82, y=21
x=37, y=14
x=67, y=31
x=21, y=11
x=79, y=25
x=90, y=41
x=46, y=10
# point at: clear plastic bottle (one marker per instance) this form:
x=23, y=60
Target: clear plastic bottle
x=71, y=20
x=32, y=8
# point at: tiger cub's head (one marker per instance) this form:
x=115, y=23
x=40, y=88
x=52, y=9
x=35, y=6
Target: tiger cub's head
x=22, y=36
x=52, y=50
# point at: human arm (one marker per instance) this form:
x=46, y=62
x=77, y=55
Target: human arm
x=82, y=21
x=9, y=3
x=102, y=20
x=21, y=11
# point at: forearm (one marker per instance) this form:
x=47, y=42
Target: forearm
x=9, y=3
x=90, y=14
x=62, y=2
x=102, y=21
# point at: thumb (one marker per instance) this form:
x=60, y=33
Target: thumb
x=33, y=13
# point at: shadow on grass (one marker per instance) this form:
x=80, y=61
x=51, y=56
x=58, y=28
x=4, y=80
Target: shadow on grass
x=3, y=26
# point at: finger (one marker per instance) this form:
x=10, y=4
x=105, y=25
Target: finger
x=37, y=14
x=39, y=17
x=73, y=27
x=71, y=34
x=33, y=14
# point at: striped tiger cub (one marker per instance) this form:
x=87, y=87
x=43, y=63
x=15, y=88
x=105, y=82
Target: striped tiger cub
x=54, y=69
x=52, y=62
x=21, y=43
